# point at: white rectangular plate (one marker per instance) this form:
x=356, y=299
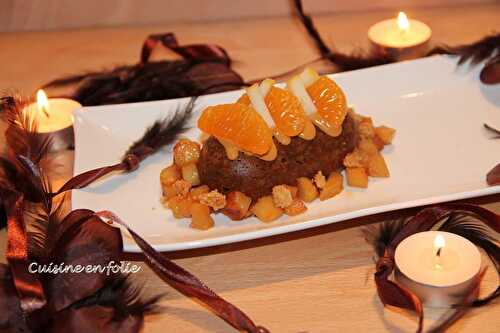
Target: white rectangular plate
x=441, y=152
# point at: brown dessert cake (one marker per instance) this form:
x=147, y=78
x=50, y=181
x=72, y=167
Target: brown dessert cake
x=256, y=177
x=272, y=151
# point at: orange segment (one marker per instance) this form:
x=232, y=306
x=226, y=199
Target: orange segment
x=286, y=110
x=329, y=100
x=244, y=99
x=239, y=124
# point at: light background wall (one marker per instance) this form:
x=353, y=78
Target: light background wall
x=23, y=15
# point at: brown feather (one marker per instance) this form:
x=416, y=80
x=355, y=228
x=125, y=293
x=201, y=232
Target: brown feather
x=162, y=132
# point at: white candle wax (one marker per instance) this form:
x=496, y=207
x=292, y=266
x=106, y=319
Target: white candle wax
x=400, y=38
x=439, y=267
x=57, y=116
x=389, y=34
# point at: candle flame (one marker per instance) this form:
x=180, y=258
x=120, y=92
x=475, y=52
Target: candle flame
x=439, y=242
x=42, y=102
x=403, y=22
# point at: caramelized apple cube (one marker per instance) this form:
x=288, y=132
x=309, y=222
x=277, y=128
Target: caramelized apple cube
x=357, y=158
x=169, y=191
x=169, y=175
x=386, y=134
x=367, y=146
x=282, y=196
x=186, y=151
x=178, y=188
x=357, y=177
x=190, y=174
x=265, y=210
x=297, y=207
x=378, y=167
x=307, y=190
x=237, y=205
x=366, y=119
x=319, y=179
x=334, y=185
x=377, y=141
x=200, y=217
x=294, y=190
x=197, y=191
x=366, y=129
x=181, y=207
x=213, y=199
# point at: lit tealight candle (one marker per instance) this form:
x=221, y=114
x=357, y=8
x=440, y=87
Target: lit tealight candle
x=401, y=38
x=54, y=116
x=439, y=267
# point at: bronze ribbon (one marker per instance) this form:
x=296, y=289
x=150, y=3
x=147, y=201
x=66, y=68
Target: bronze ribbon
x=201, y=52
x=188, y=284
x=129, y=163
x=29, y=288
x=490, y=74
x=493, y=176
x=391, y=293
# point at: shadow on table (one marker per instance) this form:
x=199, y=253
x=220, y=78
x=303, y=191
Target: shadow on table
x=204, y=320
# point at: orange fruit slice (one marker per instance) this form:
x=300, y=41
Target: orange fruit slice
x=329, y=100
x=286, y=110
x=239, y=124
x=244, y=99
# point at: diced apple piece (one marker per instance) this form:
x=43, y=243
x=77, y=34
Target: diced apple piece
x=169, y=175
x=356, y=159
x=259, y=104
x=307, y=191
x=200, y=217
x=365, y=119
x=265, y=210
x=297, y=207
x=377, y=167
x=334, y=185
x=265, y=86
x=237, y=205
x=308, y=76
x=283, y=196
x=178, y=188
x=213, y=199
x=319, y=179
x=186, y=151
x=169, y=191
x=367, y=146
x=190, y=174
x=181, y=207
x=386, y=134
x=377, y=141
x=366, y=130
x=294, y=190
x=197, y=191
x=357, y=177
x=296, y=86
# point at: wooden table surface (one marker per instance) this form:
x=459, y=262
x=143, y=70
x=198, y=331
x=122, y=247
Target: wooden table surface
x=318, y=280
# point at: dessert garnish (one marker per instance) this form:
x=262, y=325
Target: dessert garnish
x=272, y=151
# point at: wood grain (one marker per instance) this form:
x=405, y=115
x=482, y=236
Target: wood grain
x=317, y=280
x=38, y=15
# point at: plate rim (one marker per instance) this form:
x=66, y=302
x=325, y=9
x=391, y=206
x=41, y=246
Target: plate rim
x=130, y=247
x=283, y=229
